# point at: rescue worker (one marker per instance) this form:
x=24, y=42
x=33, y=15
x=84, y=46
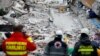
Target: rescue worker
x=17, y=45
x=87, y=31
x=56, y=47
x=84, y=47
x=83, y=30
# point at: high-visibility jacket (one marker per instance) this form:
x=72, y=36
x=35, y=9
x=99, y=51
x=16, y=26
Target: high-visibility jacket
x=17, y=45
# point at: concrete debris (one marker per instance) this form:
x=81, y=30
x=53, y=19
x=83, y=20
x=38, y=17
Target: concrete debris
x=35, y=23
x=41, y=17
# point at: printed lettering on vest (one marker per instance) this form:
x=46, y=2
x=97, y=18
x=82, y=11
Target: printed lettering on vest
x=85, y=50
x=16, y=48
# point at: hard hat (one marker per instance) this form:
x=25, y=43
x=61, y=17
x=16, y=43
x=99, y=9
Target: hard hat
x=85, y=30
x=59, y=32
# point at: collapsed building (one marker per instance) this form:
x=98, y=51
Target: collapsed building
x=37, y=17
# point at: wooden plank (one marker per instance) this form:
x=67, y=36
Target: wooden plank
x=88, y=3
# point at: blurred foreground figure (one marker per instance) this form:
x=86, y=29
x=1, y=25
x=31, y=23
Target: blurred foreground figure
x=84, y=47
x=56, y=47
x=97, y=39
x=16, y=44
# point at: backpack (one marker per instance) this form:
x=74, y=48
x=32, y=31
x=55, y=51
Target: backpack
x=57, y=48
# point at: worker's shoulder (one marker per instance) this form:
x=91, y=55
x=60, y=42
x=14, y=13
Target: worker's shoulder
x=51, y=43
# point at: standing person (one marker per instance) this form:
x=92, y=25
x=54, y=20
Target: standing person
x=56, y=47
x=84, y=47
x=83, y=30
x=17, y=45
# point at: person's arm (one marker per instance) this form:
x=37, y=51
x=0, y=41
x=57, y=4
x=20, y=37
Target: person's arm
x=31, y=46
x=96, y=52
x=75, y=51
x=3, y=46
x=1, y=41
x=46, y=52
x=95, y=47
x=66, y=51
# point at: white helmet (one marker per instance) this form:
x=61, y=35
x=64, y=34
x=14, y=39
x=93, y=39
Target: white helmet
x=85, y=30
x=59, y=32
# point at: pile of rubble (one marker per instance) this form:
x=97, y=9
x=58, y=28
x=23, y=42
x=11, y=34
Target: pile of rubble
x=36, y=23
x=34, y=20
x=4, y=22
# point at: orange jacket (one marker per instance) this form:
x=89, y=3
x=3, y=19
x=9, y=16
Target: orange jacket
x=17, y=45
